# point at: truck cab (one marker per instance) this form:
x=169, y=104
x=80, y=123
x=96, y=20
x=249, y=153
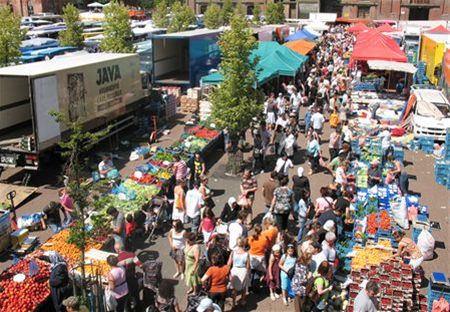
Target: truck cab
x=430, y=113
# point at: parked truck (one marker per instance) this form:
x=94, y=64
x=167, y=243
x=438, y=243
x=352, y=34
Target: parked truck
x=96, y=89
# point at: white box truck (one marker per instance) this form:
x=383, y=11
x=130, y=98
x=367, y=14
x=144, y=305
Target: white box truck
x=96, y=89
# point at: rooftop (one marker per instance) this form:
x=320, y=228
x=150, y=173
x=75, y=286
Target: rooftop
x=58, y=64
x=188, y=34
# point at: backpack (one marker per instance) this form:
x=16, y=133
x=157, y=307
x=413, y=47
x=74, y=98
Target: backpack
x=311, y=291
x=203, y=266
x=152, y=273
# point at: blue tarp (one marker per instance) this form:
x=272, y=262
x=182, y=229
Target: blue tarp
x=301, y=34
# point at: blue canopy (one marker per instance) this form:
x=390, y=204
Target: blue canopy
x=301, y=34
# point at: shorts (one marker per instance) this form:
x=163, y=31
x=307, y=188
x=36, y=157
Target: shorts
x=177, y=255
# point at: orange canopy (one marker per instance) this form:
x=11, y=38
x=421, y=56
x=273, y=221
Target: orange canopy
x=300, y=46
x=346, y=20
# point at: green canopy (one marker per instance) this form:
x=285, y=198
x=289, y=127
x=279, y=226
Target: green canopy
x=274, y=60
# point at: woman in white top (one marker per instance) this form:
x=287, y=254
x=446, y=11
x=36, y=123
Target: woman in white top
x=341, y=176
x=177, y=243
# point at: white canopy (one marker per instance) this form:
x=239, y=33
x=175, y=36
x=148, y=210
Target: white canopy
x=317, y=26
x=390, y=65
x=95, y=5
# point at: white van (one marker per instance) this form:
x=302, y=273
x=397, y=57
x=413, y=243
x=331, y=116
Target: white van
x=430, y=113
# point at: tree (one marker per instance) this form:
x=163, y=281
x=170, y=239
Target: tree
x=227, y=11
x=256, y=15
x=79, y=142
x=10, y=36
x=117, y=29
x=275, y=13
x=73, y=35
x=235, y=101
x=146, y=4
x=160, y=15
x=213, y=17
x=182, y=17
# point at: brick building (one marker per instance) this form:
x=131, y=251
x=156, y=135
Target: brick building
x=396, y=9
x=292, y=8
x=29, y=7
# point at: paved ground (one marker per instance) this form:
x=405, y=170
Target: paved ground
x=420, y=167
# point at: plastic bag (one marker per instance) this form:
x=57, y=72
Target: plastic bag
x=440, y=306
x=412, y=213
x=426, y=242
x=110, y=300
x=400, y=214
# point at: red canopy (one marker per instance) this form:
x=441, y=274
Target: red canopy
x=358, y=27
x=386, y=28
x=439, y=30
x=377, y=47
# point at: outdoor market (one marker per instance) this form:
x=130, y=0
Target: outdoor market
x=325, y=202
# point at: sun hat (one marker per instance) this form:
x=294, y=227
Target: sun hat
x=276, y=247
x=300, y=171
x=231, y=200
x=206, y=304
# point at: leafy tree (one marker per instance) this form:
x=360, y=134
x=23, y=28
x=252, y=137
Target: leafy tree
x=275, y=13
x=10, y=36
x=227, y=11
x=182, y=17
x=117, y=28
x=235, y=101
x=73, y=35
x=160, y=14
x=256, y=14
x=79, y=142
x=213, y=17
x=146, y=4
x=239, y=9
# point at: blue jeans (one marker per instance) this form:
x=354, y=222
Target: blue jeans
x=301, y=228
x=195, y=222
x=54, y=228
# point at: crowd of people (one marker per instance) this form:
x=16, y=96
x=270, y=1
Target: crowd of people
x=228, y=253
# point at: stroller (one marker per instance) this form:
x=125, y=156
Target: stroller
x=159, y=206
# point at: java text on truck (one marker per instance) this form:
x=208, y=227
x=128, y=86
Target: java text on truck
x=96, y=89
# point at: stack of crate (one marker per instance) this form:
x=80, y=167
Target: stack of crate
x=426, y=144
x=205, y=109
x=442, y=171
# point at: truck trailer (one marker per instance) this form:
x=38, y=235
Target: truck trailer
x=98, y=90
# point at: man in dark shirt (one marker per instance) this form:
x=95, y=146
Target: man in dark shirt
x=230, y=211
x=268, y=187
x=374, y=173
x=336, y=216
x=300, y=182
x=52, y=217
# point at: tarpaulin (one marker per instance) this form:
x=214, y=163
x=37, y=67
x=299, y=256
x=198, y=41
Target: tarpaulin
x=386, y=28
x=394, y=66
x=377, y=47
x=358, y=27
x=302, y=47
x=301, y=34
x=438, y=30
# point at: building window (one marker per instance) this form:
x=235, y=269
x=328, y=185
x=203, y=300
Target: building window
x=203, y=8
x=363, y=12
x=250, y=9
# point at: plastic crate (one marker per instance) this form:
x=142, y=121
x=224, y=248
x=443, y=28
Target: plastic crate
x=436, y=295
x=399, y=153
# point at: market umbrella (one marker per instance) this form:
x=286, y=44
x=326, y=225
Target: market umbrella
x=438, y=30
x=95, y=5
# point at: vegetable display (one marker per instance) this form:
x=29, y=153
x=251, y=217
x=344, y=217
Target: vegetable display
x=370, y=255
x=24, y=296
x=70, y=252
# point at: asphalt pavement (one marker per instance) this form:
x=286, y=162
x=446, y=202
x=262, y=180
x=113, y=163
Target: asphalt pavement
x=418, y=165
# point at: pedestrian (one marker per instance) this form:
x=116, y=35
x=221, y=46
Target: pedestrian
x=322, y=286
x=270, y=232
x=273, y=272
x=59, y=279
x=287, y=262
x=237, y=229
x=117, y=283
x=249, y=186
x=283, y=165
x=239, y=262
x=72, y=304
x=207, y=305
x=259, y=245
x=207, y=225
x=329, y=248
x=407, y=249
x=179, y=203
x=313, y=152
x=67, y=205
x=366, y=300
x=165, y=299
x=230, y=211
x=177, y=244
x=278, y=139
x=117, y=224
x=299, y=183
x=304, y=206
x=179, y=167
x=130, y=229
x=198, y=168
x=317, y=121
x=128, y=260
x=51, y=217
x=258, y=153
x=268, y=187
x=193, y=205
x=334, y=141
x=300, y=279
x=341, y=176
x=290, y=143
x=324, y=202
x=283, y=198
x=206, y=192
x=216, y=280
x=191, y=260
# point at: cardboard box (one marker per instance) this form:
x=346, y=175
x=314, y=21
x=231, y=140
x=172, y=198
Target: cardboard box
x=18, y=236
x=5, y=242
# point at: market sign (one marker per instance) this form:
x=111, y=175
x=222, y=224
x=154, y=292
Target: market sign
x=446, y=67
